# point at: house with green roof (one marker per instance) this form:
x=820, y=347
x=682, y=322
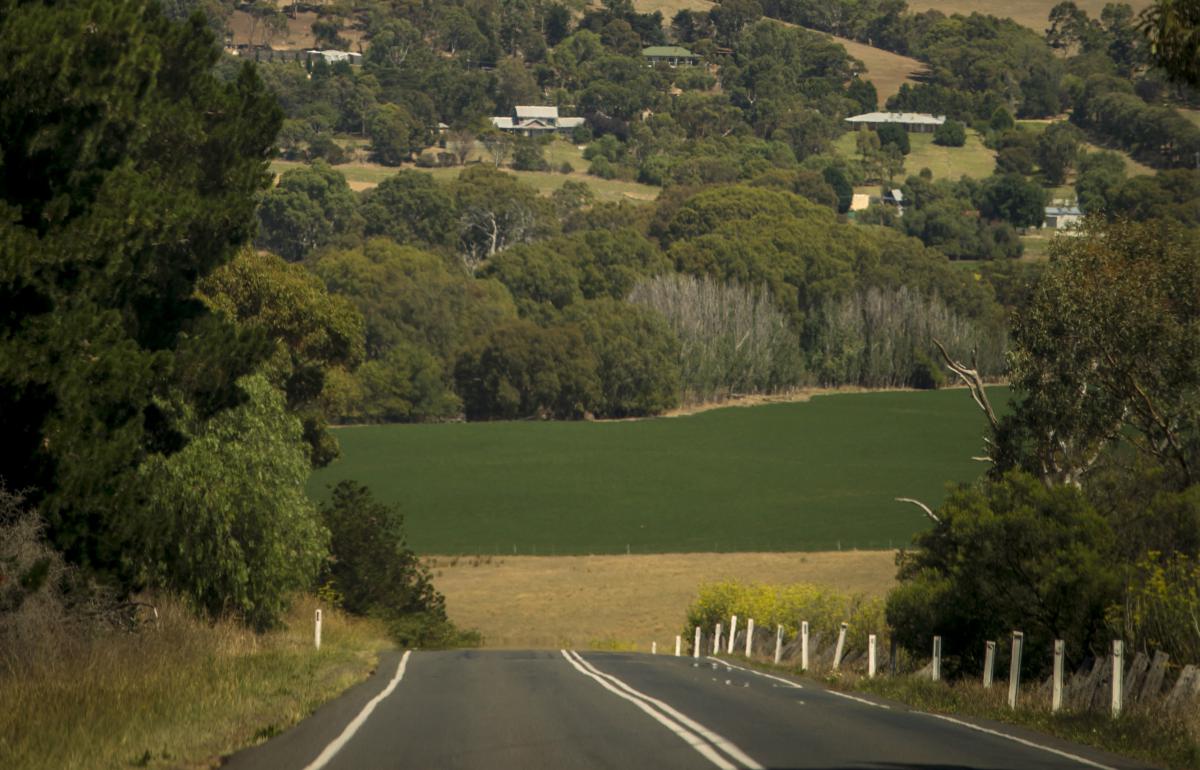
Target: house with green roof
x=671, y=55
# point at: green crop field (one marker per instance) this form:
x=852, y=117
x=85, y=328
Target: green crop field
x=818, y=475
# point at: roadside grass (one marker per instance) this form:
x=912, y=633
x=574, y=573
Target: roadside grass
x=820, y=475
x=181, y=693
x=972, y=159
x=1139, y=732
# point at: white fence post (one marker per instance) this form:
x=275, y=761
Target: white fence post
x=804, y=646
x=841, y=646
x=717, y=641
x=778, y=644
x=989, y=664
x=1118, y=677
x=653, y=648
x=1014, y=668
x=937, y=659
x=317, y=630
x=871, y=656
x=749, y=635
x=732, y=633
x=696, y=645
x=678, y=645
x=1057, y=690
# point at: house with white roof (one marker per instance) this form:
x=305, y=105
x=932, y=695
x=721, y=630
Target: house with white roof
x=917, y=122
x=534, y=121
x=1060, y=216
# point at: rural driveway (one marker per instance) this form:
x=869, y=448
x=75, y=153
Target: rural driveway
x=510, y=710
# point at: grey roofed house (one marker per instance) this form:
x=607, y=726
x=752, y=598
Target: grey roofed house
x=912, y=121
x=529, y=120
x=1059, y=217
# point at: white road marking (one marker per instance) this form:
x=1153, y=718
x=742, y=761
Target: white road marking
x=857, y=699
x=788, y=682
x=1022, y=741
x=725, y=745
x=337, y=744
x=695, y=734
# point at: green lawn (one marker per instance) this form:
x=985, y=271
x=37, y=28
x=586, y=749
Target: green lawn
x=808, y=476
x=972, y=159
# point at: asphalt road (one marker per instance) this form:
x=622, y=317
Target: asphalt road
x=504, y=710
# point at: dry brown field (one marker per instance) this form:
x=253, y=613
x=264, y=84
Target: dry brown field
x=624, y=602
x=888, y=71
x=1031, y=13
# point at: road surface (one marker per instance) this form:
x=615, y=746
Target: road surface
x=558, y=710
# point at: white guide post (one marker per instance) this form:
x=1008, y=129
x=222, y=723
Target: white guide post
x=937, y=659
x=653, y=648
x=717, y=641
x=804, y=646
x=732, y=632
x=871, y=656
x=696, y=644
x=678, y=645
x=989, y=664
x=841, y=646
x=749, y=635
x=1118, y=677
x=1014, y=668
x=1056, y=692
x=778, y=644
x=317, y=630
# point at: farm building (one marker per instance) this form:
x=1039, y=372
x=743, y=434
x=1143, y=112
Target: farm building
x=534, y=121
x=915, y=122
x=1059, y=217
x=671, y=55
x=333, y=57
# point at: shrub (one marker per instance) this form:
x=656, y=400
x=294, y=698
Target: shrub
x=1007, y=554
x=375, y=573
x=787, y=605
x=897, y=136
x=950, y=134
x=1161, y=610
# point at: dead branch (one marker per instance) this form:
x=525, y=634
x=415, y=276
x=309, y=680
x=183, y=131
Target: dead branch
x=928, y=511
x=970, y=377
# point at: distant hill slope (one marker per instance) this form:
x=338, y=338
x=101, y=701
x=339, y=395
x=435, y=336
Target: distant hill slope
x=886, y=70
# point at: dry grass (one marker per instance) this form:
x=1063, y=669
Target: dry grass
x=888, y=71
x=624, y=601
x=364, y=176
x=180, y=694
x=297, y=36
x=1031, y=13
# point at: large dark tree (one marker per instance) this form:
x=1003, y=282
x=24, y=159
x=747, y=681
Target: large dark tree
x=128, y=172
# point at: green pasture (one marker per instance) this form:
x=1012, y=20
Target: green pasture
x=819, y=475
x=972, y=159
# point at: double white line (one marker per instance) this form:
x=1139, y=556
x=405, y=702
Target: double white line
x=707, y=743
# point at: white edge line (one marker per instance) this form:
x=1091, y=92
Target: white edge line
x=722, y=743
x=688, y=737
x=857, y=699
x=1022, y=741
x=336, y=745
x=788, y=682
